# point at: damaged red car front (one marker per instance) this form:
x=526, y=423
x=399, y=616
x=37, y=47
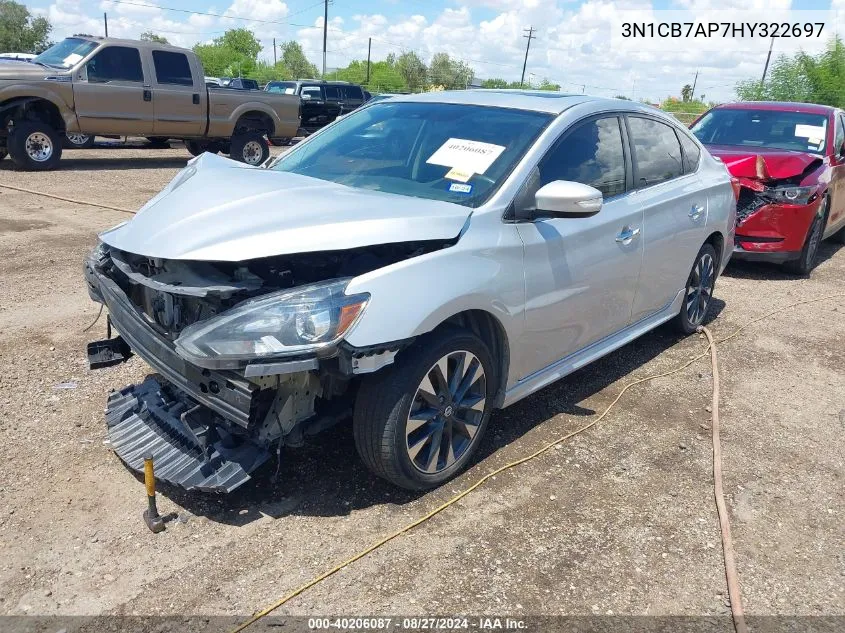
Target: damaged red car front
x=789, y=161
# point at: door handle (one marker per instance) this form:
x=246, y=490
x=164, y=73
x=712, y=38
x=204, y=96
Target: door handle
x=148, y=95
x=196, y=98
x=627, y=235
x=696, y=211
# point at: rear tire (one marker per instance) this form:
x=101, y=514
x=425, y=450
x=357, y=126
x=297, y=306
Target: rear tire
x=415, y=430
x=250, y=148
x=75, y=140
x=809, y=254
x=159, y=142
x=34, y=146
x=698, y=292
x=2, y=154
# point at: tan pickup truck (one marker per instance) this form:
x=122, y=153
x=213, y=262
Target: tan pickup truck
x=108, y=86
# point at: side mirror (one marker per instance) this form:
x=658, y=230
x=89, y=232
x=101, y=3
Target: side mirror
x=563, y=198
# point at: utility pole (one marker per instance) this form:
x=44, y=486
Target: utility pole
x=274, y=52
x=106, y=22
x=766, y=67
x=530, y=36
x=369, y=49
x=325, y=32
x=694, y=82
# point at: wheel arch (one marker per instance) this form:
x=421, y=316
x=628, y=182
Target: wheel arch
x=717, y=241
x=486, y=326
x=254, y=119
x=33, y=108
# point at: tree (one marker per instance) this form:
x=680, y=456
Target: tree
x=234, y=54
x=686, y=93
x=297, y=64
x=149, y=36
x=242, y=41
x=803, y=78
x=623, y=97
x=20, y=31
x=494, y=83
x=450, y=73
x=548, y=85
x=413, y=71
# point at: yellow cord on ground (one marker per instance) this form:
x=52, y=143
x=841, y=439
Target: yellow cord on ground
x=734, y=600
x=63, y=199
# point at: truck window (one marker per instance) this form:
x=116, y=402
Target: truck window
x=172, y=68
x=353, y=93
x=313, y=92
x=333, y=93
x=115, y=63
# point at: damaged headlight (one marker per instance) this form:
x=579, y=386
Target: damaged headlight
x=791, y=195
x=284, y=323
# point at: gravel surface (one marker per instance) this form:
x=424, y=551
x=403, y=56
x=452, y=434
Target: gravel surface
x=618, y=520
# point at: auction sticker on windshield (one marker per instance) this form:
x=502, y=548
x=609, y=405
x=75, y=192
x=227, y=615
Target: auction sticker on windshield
x=466, y=157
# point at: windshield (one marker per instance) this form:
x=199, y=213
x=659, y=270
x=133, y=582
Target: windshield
x=438, y=151
x=66, y=53
x=284, y=87
x=797, y=131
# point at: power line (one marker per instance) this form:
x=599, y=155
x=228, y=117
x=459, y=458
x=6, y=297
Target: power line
x=221, y=15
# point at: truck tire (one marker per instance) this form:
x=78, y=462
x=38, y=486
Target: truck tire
x=416, y=430
x=250, y=148
x=34, y=146
x=2, y=154
x=75, y=140
x=198, y=147
x=159, y=142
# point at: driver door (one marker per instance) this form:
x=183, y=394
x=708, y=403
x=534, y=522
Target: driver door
x=113, y=95
x=581, y=273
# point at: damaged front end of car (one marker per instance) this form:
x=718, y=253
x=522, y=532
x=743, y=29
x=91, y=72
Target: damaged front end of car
x=249, y=355
x=778, y=198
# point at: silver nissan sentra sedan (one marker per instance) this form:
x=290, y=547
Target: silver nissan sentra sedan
x=414, y=266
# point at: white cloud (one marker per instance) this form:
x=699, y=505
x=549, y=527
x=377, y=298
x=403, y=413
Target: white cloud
x=572, y=45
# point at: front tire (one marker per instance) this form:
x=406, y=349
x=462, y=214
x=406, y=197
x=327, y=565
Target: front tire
x=809, y=254
x=418, y=422
x=698, y=292
x=199, y=147
x=250, y=148
x=34, y=146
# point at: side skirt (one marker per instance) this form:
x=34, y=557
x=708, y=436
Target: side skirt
x=579, y=359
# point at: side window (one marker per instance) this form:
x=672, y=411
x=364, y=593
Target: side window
x=839, y=136
x=115, y=63
x=657, y=153
x=592, y=154
x=333, y=93
x=313, y=92
x=692, y=153
x=172, y=68
x=353, y=93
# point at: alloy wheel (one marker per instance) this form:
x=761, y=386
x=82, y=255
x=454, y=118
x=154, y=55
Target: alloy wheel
x=446, y=412
x=78, y=139
x=700, y=288
x=39, y=147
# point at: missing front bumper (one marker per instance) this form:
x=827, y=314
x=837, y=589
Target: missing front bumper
x=152, y=419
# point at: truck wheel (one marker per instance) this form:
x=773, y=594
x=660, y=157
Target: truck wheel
x=2, y=154
x=250, y=148
x=159, y=142
x=34, y=146
x=418, y=422
x=198, y=147
x=75, y=140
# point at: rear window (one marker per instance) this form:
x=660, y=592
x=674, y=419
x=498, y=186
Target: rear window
x=172, y=68
x=354, y=93
x=798, y=131
x=333, y=93
x=314, y=92
x=657, y=152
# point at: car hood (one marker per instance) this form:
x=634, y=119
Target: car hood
x=11, y=69
x=764, y=163
x=217, y=209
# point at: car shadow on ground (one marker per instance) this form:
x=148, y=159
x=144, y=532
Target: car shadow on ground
x=108, y=164
x=775, y=272
x=326, y=478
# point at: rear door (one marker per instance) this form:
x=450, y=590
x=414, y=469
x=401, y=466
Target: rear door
x=353, y=97
x=177, y=95
x=837, y=176
x=674, y=211
x=113, y=96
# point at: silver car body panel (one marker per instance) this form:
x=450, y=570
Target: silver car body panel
x=564, y=290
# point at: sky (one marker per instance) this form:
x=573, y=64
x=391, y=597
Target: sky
x=577, y=43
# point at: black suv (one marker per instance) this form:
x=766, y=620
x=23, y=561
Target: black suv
x=322, y=101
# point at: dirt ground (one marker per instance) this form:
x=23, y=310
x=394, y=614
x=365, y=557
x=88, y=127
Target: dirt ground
x=619, y=520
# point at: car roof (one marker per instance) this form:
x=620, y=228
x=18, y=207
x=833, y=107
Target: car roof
x=536, y=100
x=117, y=41
x=778, y=106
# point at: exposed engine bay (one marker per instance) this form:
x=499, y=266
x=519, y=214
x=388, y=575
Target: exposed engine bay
x=210, y=427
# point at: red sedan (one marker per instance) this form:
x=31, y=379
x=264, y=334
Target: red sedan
x=789, y=160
